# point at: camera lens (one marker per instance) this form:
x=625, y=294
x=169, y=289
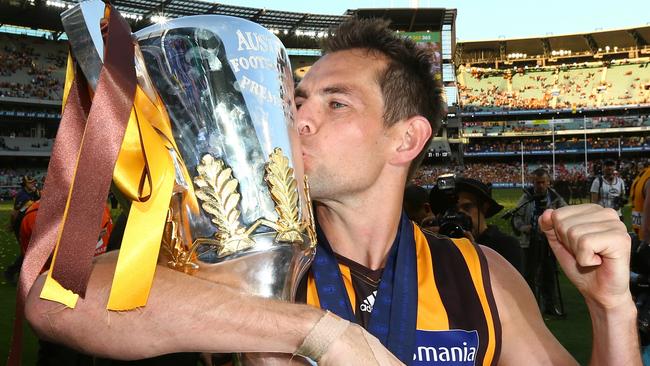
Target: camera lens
x=452, y=230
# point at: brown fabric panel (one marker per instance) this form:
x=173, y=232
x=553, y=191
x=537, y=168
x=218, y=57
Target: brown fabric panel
x=485, y=272
x=57, y=182
x=55, y=193
x=457, y=291
x=101, y=144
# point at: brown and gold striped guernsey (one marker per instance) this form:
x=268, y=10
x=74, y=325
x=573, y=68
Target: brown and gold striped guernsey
x=454, y=299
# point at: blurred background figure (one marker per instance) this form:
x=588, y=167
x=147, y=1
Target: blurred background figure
x=540, y=268
x=416, y=204
x=463, y=206
x=26, y=196
x=608, y=190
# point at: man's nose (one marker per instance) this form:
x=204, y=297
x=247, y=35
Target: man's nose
x=306, y=120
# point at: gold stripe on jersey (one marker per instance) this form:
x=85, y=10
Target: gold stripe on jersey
x=431, y=311
x=468, y=250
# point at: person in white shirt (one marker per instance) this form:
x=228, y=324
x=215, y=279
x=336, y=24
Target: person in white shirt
x=608, y=189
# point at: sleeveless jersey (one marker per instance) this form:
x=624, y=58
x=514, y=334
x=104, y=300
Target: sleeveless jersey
x=637, y=198
x=457, y=319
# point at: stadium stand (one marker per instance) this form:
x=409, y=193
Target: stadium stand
x=586, y=85
x=538, y=101
x=31, y=67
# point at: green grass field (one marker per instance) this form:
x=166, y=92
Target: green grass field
x=574, y=332
x=8, y=251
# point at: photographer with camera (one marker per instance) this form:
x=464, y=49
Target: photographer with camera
x=463, y=206
x=540, y=269
x=608, y=190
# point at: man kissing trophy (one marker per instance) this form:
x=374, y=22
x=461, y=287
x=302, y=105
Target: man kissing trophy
x=208, y=156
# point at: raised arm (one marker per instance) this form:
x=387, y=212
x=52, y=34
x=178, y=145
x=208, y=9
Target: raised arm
x=593, y=248
x=184, y=314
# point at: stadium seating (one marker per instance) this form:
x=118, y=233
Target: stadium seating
x=530, y=127
x=585, y=85
x=31, y=67
x=509, y=174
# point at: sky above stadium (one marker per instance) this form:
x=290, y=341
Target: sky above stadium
x=492, y=19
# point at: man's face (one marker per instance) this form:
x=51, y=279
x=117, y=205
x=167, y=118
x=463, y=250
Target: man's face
x=468, y=204
x=340, y=123
x=541, y=184
x=30, y=186
x=608, y=170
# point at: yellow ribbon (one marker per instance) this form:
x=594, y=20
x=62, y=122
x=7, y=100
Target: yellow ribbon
x=145, y=174
x=144, y=156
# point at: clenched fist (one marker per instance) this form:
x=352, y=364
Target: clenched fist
x=593, y=248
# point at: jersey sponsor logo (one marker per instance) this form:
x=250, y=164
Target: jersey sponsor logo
x=368, y=302
x=448, y=347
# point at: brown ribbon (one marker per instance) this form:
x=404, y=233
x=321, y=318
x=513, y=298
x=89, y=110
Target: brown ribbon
x=100, y=146
x=84, y=179
x=57, y=184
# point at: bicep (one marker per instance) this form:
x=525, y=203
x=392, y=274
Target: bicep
x=525, y=337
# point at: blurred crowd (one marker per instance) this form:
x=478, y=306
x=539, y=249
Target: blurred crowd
x=29, y=71
x=566, y=86
x=570, y=178
x=10, y=180
x=544, y=126
x=561, y=143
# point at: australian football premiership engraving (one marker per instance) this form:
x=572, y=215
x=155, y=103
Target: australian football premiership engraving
x=244, y=215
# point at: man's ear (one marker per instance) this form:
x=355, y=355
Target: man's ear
x=412, y=136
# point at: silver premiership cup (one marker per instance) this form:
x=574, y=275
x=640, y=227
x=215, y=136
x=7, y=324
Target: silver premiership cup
x=227, y=86
x=240, y=213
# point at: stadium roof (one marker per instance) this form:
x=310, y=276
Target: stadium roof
x=45, y=15
x=140, y=12
x=581, y=44
x=410, y=19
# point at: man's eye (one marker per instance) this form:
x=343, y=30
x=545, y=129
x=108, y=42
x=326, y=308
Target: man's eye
x=337, y=105
x=467, y=206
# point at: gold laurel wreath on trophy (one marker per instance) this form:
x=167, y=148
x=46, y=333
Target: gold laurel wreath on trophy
x=218, y=191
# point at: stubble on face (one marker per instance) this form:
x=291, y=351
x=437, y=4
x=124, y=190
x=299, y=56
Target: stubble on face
x=342, y=98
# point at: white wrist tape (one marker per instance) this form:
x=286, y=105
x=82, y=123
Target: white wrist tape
x=321, y=336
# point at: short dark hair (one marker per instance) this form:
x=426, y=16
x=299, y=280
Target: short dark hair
x=415, y=197
x=609, y=162
x=541, y=172
x=408, y=86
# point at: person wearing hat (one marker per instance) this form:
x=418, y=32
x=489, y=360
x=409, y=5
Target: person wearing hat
x=474, y=199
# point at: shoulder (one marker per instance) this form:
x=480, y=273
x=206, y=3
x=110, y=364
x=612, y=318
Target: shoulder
x=526, y=339
x=511, y=292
